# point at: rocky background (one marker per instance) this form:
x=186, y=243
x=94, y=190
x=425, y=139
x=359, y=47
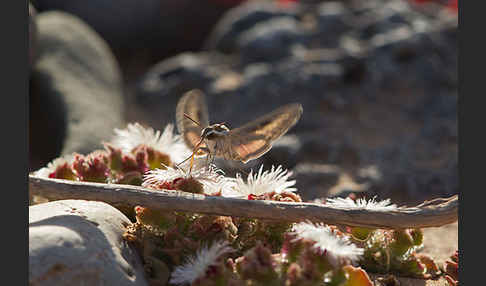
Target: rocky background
x=377, y=79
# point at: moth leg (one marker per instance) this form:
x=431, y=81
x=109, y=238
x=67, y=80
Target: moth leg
x=196, y=148
x=192, y=162
x=208, y=156
x=212, y=158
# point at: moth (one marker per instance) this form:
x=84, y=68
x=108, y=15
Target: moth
x=244, y=143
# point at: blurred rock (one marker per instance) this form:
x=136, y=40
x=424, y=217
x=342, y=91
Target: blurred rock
x=76, y=242
x=238, y=20
x=314, y=181
x=270, y=40
x=331, y=19
x=76, y=90
x=377, y=80
x=142, y=33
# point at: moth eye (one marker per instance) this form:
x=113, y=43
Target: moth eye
x=205, y=132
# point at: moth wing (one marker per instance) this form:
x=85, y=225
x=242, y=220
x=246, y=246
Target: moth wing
x=255, y=138
x=194, y=105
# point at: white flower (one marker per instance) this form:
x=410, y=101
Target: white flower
x=166, y=142
x=325, y=240
x=159, y=176
x=264, y=182
x=361, y=204
x=52, y=166
x=209, y=176
x=196, y=266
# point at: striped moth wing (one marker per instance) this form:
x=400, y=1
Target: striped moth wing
x=194, y=105
x=255, y=138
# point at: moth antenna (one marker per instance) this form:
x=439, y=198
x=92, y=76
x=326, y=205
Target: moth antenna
x=188, y=117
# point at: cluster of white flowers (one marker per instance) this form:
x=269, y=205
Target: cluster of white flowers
x=212, y=178
x=166, y=142
x=196, y=266
x=325, y=240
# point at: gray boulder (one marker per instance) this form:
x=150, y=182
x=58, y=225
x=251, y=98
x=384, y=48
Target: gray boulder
x=76, y=88
x=77, y=242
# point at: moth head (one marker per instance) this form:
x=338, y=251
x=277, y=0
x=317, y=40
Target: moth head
x=215, y=130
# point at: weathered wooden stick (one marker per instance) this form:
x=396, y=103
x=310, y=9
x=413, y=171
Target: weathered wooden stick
x=429, y=214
